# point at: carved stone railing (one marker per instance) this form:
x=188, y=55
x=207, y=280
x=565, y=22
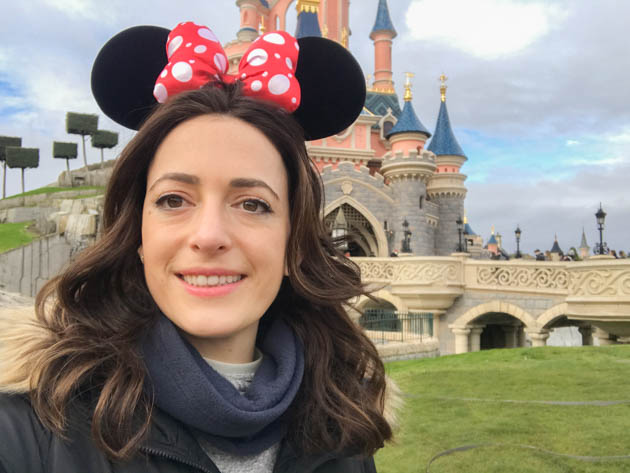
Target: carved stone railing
x=424, y=283
x=414, y=270
x=518, y=276
x=610, y=279
x=596, y=289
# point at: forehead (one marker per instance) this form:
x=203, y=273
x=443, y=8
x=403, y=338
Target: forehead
x=215, y=146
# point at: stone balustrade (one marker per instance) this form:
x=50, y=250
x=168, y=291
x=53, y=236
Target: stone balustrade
x=596, y=290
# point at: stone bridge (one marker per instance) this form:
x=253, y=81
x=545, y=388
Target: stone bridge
x=484, y=304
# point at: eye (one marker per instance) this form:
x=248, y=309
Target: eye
x=256, y=206
x=170, y=201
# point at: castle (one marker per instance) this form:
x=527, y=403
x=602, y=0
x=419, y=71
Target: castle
x=387, y=190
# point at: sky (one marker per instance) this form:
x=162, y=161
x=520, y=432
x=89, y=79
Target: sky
x=538, y=96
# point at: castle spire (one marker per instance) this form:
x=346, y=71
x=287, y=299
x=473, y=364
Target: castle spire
x=444, y=142
x=382, y=34
x=307, y=20
x=408, y=121
x=408, y=94
x=443, y=87
x=383, y=20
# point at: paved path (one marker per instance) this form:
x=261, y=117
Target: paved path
x=463, y=448
x=516, y=401
x=11, y=299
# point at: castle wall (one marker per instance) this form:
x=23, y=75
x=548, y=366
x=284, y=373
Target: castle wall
x=447, y=238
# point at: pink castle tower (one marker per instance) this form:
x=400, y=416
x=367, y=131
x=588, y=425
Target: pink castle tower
x=382, y=34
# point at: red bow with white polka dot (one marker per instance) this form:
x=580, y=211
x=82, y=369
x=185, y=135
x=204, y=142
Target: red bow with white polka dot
x=267, y=69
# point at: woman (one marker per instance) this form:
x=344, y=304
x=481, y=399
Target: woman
x=206, y=329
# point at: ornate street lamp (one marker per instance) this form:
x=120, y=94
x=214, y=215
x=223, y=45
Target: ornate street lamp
x=517, y=232
x=460, y=230
x=406, y=243
x=601, y=217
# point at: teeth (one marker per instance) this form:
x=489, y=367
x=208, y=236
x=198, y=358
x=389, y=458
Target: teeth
x=202, y=280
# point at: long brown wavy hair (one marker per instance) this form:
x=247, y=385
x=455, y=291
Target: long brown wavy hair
x=96, y=311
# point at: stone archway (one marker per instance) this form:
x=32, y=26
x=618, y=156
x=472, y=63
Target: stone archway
x=495, y=324
x=383, y=295
x=368, y=234
x=553, y=317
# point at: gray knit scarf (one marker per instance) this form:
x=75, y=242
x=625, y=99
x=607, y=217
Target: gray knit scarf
x=187, y=388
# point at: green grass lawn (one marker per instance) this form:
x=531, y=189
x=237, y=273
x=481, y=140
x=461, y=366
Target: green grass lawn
x=13, y=235
x=53, y=190
x=458, y=401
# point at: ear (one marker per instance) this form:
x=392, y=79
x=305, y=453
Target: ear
x=141, y=254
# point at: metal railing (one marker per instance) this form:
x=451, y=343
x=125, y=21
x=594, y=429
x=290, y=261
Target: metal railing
x=386, y=326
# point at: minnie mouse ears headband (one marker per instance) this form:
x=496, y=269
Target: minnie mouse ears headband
x=315, y=79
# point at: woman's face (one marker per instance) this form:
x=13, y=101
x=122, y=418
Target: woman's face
x=215, y=226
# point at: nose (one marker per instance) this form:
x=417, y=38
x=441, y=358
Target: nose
x=210, y=229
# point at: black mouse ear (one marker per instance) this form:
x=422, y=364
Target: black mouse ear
x=124, y=74
x=332, y=85
x=331, y=80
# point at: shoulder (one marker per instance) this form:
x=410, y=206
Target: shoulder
x=24, y=438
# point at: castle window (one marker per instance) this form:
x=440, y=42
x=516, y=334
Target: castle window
x=421, y=200
x=387, y=127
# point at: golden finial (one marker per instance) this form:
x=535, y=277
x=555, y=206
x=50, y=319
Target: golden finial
x=261, y=27
x=325, y=31
x=309, y=6
x=408, y=95
x=465, y=218
x=368, y=81
x=443, y=87
x=492, y=229
x=344, y=37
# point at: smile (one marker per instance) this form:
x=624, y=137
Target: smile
x=210, y=281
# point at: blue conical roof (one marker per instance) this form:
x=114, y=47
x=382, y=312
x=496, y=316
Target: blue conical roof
x=264, y=3
x=408, y=122
x=556, y=248
x=383, y=20
x=444, y=142
x=492, y=240
x=307, y=25
x=468, y=230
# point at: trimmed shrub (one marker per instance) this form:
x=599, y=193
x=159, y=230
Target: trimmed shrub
x=8, y=141
x=104, y=139
x=65, y=150
x=81, y=123
x=22, y=157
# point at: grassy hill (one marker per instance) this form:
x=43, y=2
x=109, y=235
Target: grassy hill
x=13, y=235
x=520, y=410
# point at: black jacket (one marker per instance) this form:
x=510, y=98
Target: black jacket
x=26, y=446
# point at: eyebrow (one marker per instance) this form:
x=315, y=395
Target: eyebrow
x=240, y=182
x=244, y=182
x=177, y=176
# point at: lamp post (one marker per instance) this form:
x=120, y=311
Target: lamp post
x=406, y=243
x=517, y=232
x=601, y=217
x=460, y=230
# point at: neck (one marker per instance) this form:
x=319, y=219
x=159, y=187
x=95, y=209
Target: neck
x=237, y=349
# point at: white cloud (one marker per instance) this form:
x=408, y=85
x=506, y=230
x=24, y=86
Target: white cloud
x=599, y=162
x=486, y=29
x=86, y=9
x=623, y=137
x=572, y=142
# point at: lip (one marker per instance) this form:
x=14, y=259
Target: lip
x=208, y=272
x=213, y=291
